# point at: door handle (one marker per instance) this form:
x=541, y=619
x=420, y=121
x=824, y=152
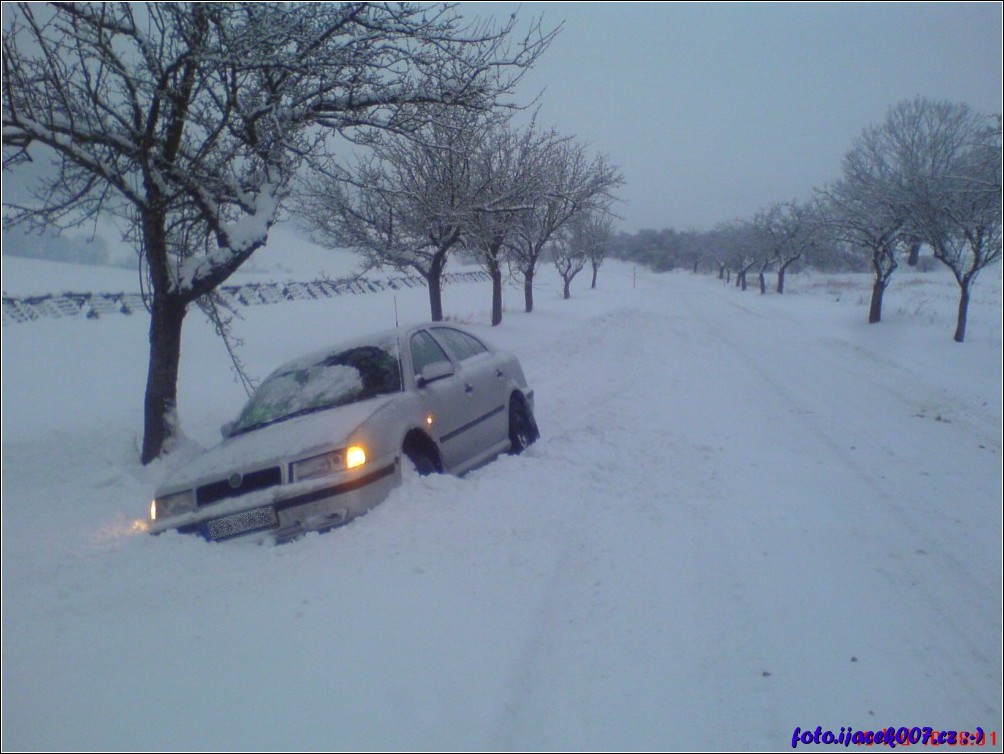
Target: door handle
x=468, y=389
x=499, y=373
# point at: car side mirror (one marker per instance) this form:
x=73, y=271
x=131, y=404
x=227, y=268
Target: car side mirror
x=226, y=429
x=437, y=370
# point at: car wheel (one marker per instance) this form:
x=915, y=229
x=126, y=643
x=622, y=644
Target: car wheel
x=522, y=427
x=423, y=462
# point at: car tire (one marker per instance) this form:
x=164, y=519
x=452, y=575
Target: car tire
x=522, y=427
x=424, y=463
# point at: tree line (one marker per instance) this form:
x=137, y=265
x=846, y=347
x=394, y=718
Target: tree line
x=200, y=125
x=506, y=195
x=929, y=175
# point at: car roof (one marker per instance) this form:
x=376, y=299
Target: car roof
x=396, y=334
x=312, y=357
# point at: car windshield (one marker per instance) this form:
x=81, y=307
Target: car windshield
x=324, y=381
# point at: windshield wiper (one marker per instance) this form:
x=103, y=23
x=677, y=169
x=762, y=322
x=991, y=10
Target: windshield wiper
x=284, y=417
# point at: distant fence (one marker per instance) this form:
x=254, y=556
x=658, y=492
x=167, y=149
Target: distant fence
x=97, y=305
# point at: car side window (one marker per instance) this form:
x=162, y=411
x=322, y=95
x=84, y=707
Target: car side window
x=425, y=351
x=460, y=344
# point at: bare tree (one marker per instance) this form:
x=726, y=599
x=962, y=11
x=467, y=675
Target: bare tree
x=949, y=158
x=763, y=242
x=569, y=257
x=788, y=228
x=596, y=232
x=407, y=203
x=573, y=184
x=584, y=238
x=727, y=239
x=721, y=261
x=744, y=247
x=716, y=244
x=863, y=209
x=190, y=120
x=694, y=248
x=509, y=163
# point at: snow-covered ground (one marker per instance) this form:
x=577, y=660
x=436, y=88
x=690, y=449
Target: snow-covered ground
x=746, y=514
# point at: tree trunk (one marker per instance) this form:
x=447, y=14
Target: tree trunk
x=434, y=279
x=435, y=296
x=960, y=326
x=781, y=271
x=596, y=269
x=528, y=289
x=875, y=310
x=914, y=258
x=161, y=397
x=568, y=284
x=780, y=275
x=496, y=274
x=763, y=283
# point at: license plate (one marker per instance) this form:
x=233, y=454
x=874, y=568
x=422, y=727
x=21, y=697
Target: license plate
x=243, y=522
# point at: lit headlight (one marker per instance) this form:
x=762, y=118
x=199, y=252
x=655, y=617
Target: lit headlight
x=170, y=505
x=354, y=456
x=328, y=463
x=310, y=468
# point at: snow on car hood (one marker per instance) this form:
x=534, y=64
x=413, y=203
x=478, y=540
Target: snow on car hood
x=276, y=443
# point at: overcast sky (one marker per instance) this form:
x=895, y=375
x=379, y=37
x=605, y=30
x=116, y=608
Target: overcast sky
x=713, y=111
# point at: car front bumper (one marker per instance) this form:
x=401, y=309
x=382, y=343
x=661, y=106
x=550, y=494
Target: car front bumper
x=284, y=512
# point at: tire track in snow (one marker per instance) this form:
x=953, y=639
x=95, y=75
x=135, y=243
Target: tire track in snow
x=770, y=506
x=595, y=588
x=885, y=525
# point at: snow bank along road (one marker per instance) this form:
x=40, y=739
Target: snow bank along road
x=746, y=514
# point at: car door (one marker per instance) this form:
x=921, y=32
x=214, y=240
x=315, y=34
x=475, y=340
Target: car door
x=449, y=413
x=484, y=391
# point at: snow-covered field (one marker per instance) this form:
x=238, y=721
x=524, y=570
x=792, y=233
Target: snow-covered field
x=747, y=514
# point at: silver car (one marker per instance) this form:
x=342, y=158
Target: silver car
x=324, y=437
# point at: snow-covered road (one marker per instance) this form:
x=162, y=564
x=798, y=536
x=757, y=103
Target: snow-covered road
x=746, y=514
